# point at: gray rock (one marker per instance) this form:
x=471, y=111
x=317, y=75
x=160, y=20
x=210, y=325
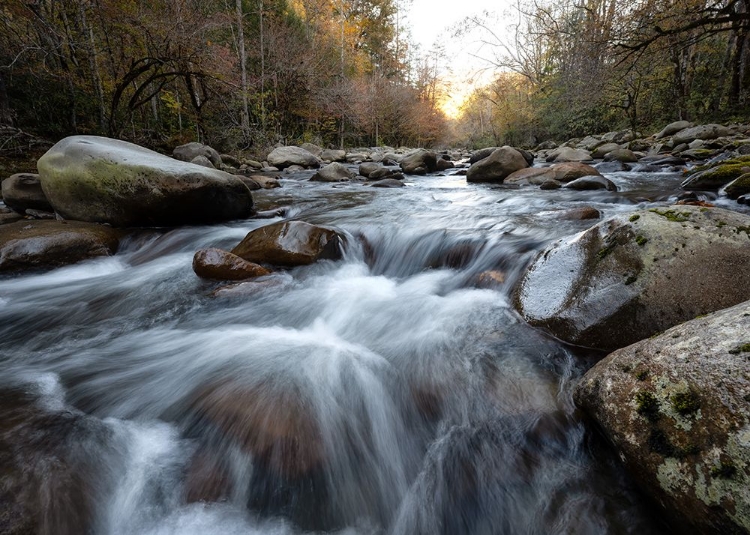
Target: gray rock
x=612, y=167
x=283, y=157
x=638, y=274
x=673, y=128
x=96, y=179
x=589, y=143
x=330, y=155
x=481, y=154
x=23, y=191
x=497, y=166
x=203, y=161
x=588, y=183
x=333, y=172
x=622, y=155
x=602, y=150
x=676, y=409
x=367, y=168
x=189, y=151
x=419, y=162
x=380, y=173
x=228, y=159
x=568, y=154
x=312, y=148
x=706, y=131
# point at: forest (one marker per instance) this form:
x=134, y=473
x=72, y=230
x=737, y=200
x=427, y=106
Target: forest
x=250, y=74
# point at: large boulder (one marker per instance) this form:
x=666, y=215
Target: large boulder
x=191, y=151
x=23, y=191
x=419, y=162
x=217, y=264
x=45, y=244
x=672, y=128
x=705, y=131
x=96, y=179
x=638, y=274
x=333, y=172
x=717, y=174
x=569, y=171
x=290, y=243
x=531, y=175
x=497, y=166
x=602, y=150
x=676, y=408
x=333, y=155
x=368, y=168
x=312, y=148
x=481, y=154
x=283, y=157
x=622, y=155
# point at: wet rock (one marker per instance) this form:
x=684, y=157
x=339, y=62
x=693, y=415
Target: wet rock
x=738, y=187
x=744, y=199
x=497, y=166
x=443, y=164
x=283, y=157
x=587, y=183
x=569, y=171
x=96, y=179
x=419, y=162
x=228, y=159
x=333, y=172
x=23, y=191
x=261, y=182
x=290, y=243
x=243, y=290
x=387, y=183
x=706, y=131
x=634, y=275
x=481, y=154
x=216, y=264
x=580, y=214
x=382, y=172
x=676, y=409
x=673, y=128
x=190, y=151
x=47, y=244
x=50, y=478
x=550, y=185
x=530, y=175
x=8, y=216
x=329, y=155
x=612, y=167
x=714, y=176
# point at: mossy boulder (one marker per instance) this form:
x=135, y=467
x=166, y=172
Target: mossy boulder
x=738, y=187
x=709, y=177
x=634, y=275
x=96, y=179
x=677, y=410
x=48, y=244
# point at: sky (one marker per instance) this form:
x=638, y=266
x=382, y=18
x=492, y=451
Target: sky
x=433, y=21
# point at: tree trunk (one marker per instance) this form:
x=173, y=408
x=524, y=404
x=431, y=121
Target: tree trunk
x=243, y=67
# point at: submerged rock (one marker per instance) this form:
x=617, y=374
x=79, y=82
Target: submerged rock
x=23, y=191
x=216, y=264
x=96, y=179
x=387, y=183
x=676, y=409
x=290, y=243
x=635, y=275
x=46, y=244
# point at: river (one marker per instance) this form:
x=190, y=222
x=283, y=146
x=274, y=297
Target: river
x=395, y=391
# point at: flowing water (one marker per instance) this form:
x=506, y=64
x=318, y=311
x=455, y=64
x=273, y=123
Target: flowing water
x=395, y=391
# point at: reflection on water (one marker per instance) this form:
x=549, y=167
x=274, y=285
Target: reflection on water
x=395, y=391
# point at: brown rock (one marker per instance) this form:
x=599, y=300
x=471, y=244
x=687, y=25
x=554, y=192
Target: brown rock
x=531, y=175
x=23, y=191
x=569, y=171
x=221, y=265
x=290, y=243
x=580, y=214
x=44, y=244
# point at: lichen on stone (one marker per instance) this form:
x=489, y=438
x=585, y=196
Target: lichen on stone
x=685, y=403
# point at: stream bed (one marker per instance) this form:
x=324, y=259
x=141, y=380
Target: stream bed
x=393, y=392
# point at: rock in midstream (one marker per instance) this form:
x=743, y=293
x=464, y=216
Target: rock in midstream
x=637, y=274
